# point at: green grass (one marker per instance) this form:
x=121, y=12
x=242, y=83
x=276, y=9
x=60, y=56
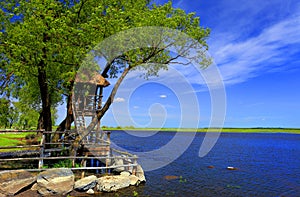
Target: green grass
x=13, y=139
x=4, y=141
x=262, y=130
x=16, y=135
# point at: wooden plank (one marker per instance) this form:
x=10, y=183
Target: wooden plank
x=21, y=131
x=122, y=152
x=25, y=146
x=59, y=158
x=99, y=148
x=80, y=168
x=57, y=143
x=57, y=132
x=100, y=168
x=95, y=145
x=53, y=150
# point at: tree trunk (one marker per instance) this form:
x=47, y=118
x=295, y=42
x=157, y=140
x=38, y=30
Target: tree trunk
x=66, y=123
x=44, y=91
x=45, y=97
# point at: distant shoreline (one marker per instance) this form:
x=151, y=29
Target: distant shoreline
x=203, y=130
x=224, y=130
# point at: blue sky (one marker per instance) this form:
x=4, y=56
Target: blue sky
x=256, y=47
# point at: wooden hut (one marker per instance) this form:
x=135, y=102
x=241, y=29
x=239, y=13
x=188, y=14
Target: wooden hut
x=87, y=100
x=89, y=92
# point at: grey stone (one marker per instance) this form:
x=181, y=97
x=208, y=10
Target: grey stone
x=125, y=173
x=112, y=183
x=118, y=162
x=11, y=182
x=86, y=183
x=134, y=180
x=140, y=173
x=55, y=181
x=90, y=191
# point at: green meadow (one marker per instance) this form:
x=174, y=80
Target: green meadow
x=13, y=139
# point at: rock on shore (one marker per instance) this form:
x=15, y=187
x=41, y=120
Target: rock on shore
x=11, y=182
x=55, y=181
x=61, y=181
x=86, y=183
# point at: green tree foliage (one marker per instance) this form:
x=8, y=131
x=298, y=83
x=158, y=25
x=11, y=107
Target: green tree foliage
x=17, y=115
x=8, y=114
x=43, y=42
x=27, y=116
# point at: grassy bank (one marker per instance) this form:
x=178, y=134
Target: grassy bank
x=227, y=130
x=15, y=139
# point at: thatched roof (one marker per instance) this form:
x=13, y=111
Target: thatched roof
x=92, y=78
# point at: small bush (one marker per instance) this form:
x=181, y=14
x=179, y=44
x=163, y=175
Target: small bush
x=32, y=142
x=30, y=136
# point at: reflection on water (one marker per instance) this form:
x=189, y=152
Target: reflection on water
x=268, y=165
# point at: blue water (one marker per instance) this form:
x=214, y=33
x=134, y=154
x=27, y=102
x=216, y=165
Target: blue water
x=268, y=165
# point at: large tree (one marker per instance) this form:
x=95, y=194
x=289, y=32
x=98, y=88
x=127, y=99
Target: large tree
x=43, y=42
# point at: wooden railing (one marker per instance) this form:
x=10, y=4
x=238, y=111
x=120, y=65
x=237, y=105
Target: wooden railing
x=43, y=152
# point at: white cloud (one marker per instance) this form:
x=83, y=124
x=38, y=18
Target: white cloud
x=269, y=51
x=163, y=96
x=119, y=100
x=266, y=52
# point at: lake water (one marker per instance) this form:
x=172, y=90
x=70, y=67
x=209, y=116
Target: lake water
x=268, y=165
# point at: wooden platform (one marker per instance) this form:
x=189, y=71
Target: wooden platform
x=97, y=150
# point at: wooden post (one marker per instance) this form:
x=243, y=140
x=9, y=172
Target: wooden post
x=125, y=161
x=108, y=151
x=83, y=163
x=108, y=136
x=98, y=132
x=107, y=160
x=42, y=148
x=74, y=149
x=134, y=168
x=100, y=95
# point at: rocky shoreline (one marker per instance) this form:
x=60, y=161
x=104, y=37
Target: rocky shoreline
x=62, y=181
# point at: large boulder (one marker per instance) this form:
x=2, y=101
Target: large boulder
x=134, y=180
x=113, y=183
x=86, y=183
x=55, y=181
x=11, y=182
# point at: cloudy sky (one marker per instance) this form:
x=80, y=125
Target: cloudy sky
x=256, y=48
